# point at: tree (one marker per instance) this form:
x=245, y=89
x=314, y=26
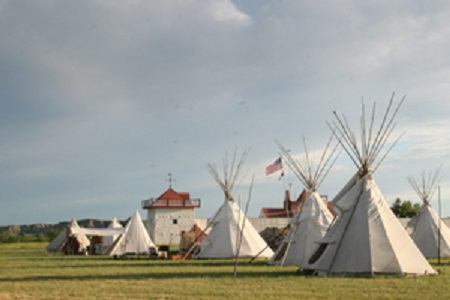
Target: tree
x=405, y=209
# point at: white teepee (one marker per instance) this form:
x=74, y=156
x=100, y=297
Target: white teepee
x=135, y=240
x=69, y=242
x=231, y=233
x=109, y=240
x=308, y=226
x=367, y=238
x=428, y=231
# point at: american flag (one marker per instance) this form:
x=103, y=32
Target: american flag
x=276, y=166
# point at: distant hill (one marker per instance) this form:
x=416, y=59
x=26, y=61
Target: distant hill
x=43, y=229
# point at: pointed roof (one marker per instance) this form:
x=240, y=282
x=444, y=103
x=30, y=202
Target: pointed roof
x=309, y=225
x=170, y=193
x=428, y=231
x=115, y=223
x=307, y=228
x=60, y=241
x=171, y=199
x=135, y=240
x=109, y=240
x=231, y=233
x=367, y=238
x=229, y=226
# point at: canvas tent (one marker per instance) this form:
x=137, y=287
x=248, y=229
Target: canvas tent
x=109, y=240
x=231, y=234
x=309, y=225
x=134, y=240
x=366, y=238
x=74, y=239
x=428, y=231
x=69, y=240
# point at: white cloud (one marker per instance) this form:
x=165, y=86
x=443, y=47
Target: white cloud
x=104, y=98
x=226, y=11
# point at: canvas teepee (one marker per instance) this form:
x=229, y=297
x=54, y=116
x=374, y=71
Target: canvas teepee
x=231, y=232
x=69, y=242
x=367, y=238
x=135, y=240
x=109, y=240
x=309, y=225
x=428, y=231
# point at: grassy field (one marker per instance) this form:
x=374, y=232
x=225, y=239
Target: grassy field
x=27, y=272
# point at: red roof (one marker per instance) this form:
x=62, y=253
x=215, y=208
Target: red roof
x=172, y=194
x=275, y=213
x=290, y=208
x=171, y=199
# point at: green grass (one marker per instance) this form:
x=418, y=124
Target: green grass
x=27, y=272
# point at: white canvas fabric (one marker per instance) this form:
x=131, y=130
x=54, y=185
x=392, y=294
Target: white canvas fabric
x=106, y=232
x=367, y=238
x=424, y=228
x=57, y=244
x=109, y=240
x=307, y=229
x=135, y=240
x=222, y=240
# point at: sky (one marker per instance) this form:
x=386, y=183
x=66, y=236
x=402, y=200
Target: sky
x=100, y=100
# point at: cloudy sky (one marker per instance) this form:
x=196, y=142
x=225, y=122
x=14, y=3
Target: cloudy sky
x=100, y=100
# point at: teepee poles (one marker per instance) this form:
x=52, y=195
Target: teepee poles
x=294, y=229
x=313, y=216
x=372, y=143
x=425, y=186
x=363, y=153
x=194, y=244
x=223, y=239
x=229, y=182
x=311, y=175
x=231, y=173
x=241, y=233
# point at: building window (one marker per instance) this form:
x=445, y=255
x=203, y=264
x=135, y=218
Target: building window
x=175, y=221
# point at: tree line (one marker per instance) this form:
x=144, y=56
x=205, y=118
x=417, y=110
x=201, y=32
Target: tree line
x=11, y=237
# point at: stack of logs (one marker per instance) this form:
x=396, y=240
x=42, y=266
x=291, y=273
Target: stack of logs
x=274, y=236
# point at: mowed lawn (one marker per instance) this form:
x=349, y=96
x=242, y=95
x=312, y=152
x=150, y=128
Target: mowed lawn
x=28, y=272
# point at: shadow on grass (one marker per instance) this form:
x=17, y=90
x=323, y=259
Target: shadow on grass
x=83, y=262
x=125, y=264
x=146, y=268
x=154, y=275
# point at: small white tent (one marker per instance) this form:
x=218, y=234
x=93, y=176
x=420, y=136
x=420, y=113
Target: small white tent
x=231, y=233
x=428, y=231
x=69, y=242
x=227, y=227
x=109, y=240
x=135, y=240
x=308, y=226
x=366, y=238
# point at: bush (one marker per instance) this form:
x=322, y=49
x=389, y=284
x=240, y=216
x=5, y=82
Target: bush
x=405, y=209
x=8, y=237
